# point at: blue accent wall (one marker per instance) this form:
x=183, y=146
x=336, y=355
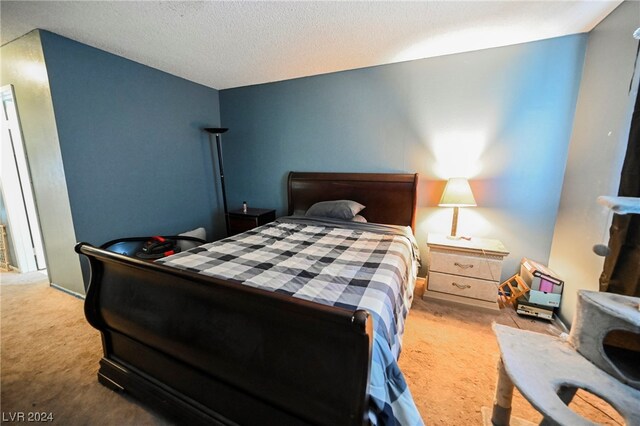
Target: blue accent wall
x=135, y=158
x=502, y=117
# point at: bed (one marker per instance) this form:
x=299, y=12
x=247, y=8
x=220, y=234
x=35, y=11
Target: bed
x=205, y=349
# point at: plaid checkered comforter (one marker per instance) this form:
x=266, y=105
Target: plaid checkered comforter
x=350, y=265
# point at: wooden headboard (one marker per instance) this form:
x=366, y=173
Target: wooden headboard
x=389, y=197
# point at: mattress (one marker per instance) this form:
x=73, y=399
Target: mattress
x=336, y=263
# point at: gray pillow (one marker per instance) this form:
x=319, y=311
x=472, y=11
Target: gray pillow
x=338, y=209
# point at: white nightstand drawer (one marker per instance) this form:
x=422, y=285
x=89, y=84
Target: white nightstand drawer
x=463, y=286
x=466, y=265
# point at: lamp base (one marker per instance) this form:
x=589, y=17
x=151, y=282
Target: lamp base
x=454, y=228
x=454, y=225
x=459, y=237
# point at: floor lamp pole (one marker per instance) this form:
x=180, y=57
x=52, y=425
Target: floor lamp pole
x=217, y=131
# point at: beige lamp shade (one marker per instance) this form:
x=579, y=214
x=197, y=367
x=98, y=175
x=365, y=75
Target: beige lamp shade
x=457, y=193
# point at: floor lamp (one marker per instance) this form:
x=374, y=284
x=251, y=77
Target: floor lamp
x=218, y=131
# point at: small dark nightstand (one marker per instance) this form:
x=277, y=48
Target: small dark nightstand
x=240, y=222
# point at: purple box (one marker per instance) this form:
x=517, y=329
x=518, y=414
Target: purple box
x=546, y=286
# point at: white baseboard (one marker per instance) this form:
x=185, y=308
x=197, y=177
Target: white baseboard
x=65, y=290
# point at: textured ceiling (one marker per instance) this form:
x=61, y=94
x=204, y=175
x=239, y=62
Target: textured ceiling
x=232, y=44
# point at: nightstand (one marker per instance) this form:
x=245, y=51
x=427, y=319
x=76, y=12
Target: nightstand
x=240, y=221
x=465, y=271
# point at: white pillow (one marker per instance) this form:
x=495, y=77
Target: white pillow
x=196, y=233
x=358, y=218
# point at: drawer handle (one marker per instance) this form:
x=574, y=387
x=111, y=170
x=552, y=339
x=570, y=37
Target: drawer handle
x=463, y=266
x=461, y=286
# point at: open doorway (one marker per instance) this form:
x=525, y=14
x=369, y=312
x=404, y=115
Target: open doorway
x=25, y=248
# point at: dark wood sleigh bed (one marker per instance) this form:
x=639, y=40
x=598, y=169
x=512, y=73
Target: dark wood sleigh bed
x=204, y=350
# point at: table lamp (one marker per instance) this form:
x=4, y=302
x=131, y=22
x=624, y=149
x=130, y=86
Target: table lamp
x=457, y=194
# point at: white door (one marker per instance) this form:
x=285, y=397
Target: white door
x=17, y=191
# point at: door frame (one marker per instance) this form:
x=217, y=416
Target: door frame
x=17, y=192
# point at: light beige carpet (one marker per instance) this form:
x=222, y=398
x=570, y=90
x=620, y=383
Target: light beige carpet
x=49, y=359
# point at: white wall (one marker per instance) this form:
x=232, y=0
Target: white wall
x=596, y=152
x=23, y=66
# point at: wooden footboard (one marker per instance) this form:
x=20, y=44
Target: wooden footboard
x=210, y=351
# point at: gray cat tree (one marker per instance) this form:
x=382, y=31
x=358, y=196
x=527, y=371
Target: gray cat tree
x=600, y=355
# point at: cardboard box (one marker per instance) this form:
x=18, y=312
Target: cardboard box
x=546, y=287
x=543, y=299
